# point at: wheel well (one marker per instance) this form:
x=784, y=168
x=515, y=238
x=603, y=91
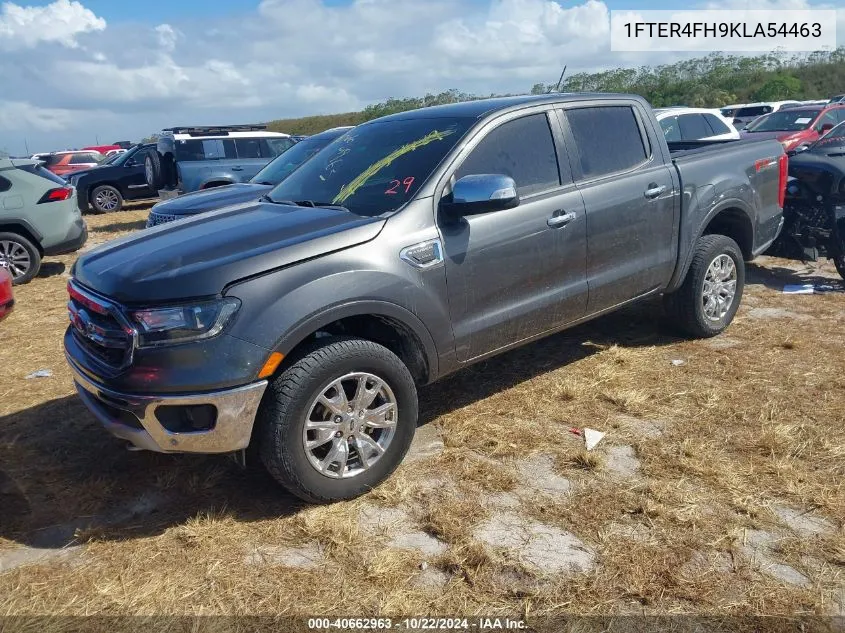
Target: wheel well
x=22, y=230
x=735, y=224
x=391, y=333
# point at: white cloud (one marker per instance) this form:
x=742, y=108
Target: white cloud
x=294, y=57
x=167, y=37
x=16, y=116
x=60, y=22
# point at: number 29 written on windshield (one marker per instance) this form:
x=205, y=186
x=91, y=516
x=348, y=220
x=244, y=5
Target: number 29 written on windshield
x=393, y=189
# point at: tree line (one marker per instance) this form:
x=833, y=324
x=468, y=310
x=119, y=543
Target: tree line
x=711, y=81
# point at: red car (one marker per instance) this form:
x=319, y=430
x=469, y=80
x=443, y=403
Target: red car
x=63, y=163
x=7, y=298
x=797, y=125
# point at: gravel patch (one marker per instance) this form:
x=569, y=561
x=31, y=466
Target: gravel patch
x=757, y=547
x=622, y=462
x=802, y=522
x=305, y=557
x=538, y=472
x=544, y=548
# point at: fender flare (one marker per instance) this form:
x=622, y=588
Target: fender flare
x=310, y=324
x=683, y=267
x=12, y=222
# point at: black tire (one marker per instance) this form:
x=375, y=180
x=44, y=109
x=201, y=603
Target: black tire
x=152, y=170
x=281, y=417
x=23, y=256
x=686, y=308
x=169, y=177
x=106, y=199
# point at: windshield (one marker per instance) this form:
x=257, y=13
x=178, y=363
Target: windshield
x=785, y=121
x=375, y=168
x=283, y=166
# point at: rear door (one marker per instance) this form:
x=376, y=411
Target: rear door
x=628, y=193
x=254, y=153
x=515, y=274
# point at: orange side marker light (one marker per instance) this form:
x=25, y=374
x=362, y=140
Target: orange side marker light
x=271, y=365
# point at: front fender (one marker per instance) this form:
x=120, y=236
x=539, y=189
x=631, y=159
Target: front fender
x=282, y=308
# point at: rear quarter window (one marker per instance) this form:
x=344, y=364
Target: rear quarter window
x=607, y=138
x=38, y=170
x=716, y=124
x=82, y=159
x=276, y=145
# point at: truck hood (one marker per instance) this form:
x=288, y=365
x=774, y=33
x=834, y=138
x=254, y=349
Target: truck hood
x=199, y=256
x=210, y=199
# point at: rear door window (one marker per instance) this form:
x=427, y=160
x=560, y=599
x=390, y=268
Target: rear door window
x=608, y=139
x=693, y=127
x=82, y=159
x=205, y=149
x=522, y=149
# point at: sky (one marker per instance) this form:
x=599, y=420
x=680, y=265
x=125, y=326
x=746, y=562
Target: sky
x=76, y=72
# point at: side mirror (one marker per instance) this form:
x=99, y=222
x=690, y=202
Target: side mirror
x=827, y=127
x=481, y=193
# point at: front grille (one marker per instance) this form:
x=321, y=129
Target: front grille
x=99, y=329
x=160, y=218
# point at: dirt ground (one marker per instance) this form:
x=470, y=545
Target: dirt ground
x=718, y=488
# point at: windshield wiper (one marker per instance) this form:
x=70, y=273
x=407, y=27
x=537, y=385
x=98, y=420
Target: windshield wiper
x=325, y=205
x=267, y=198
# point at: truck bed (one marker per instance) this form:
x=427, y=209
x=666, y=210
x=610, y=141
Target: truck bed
x=686, y=148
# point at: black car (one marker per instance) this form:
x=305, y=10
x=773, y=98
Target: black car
x=262, y=183
x=104, y=188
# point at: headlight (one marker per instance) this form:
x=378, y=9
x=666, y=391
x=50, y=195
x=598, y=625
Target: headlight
x=182, y=324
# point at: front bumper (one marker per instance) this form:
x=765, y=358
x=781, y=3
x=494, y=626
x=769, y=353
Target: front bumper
x=134, y=418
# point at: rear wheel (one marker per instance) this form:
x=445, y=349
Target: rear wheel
x=839, y=262
x=106, y=199
x=706, y=303
x=338, y=421
x=20, y=257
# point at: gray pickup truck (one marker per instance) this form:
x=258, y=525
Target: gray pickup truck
x=298, y=327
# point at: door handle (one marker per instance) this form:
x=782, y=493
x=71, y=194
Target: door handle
x=560, y=220
x=653, y=190
x=237, y=168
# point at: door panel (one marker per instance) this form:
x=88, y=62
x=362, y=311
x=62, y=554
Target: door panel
x=510, y=275
x=630, y=204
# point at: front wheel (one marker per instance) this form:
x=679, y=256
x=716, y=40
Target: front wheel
x=709, y=298
x=20, y=256
x=338, y=421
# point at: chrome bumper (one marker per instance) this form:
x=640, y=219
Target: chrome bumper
x=236, y=410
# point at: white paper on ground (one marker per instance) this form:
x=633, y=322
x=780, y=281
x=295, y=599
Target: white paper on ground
x=591, y=438
x=798, y=289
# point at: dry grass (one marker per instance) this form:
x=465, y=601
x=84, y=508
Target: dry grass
x=743, y=428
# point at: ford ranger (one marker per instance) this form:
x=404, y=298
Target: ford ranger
x=298, y=327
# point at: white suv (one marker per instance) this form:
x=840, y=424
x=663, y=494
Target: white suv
x=194, y=158
x=694, y=124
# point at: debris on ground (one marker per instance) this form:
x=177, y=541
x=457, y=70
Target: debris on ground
x=592, y=438
x=811, y=289
x=41, y=373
